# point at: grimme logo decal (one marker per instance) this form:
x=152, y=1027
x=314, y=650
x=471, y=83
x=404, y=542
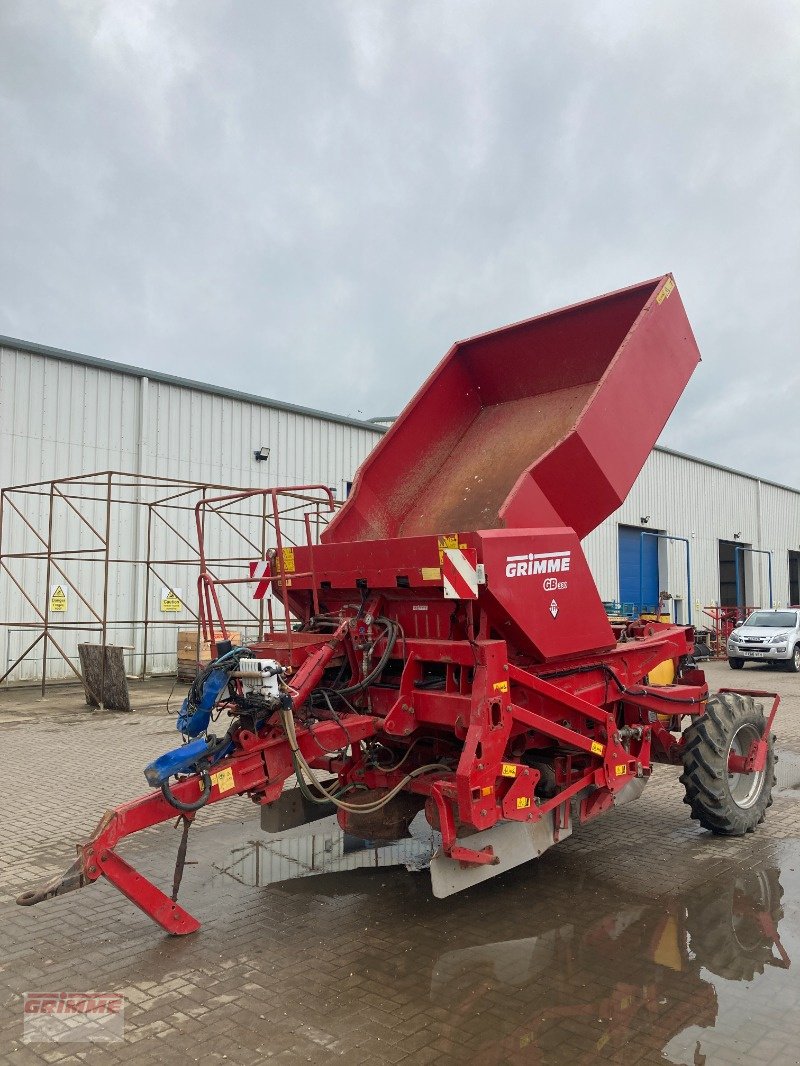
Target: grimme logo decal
x=541, y=563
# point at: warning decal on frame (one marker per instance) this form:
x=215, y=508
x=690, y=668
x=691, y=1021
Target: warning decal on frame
x=171, y=602
x=223, y=779
x=509, y=769
x=621, y=770
x=597, y=749
x=288, y=560
x=523, y=801
x=666, y=289
x=446, y=540
x=58, y=599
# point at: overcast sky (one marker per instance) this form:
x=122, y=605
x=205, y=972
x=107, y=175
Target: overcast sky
x=312, y=200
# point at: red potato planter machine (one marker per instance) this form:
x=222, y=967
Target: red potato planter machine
x=444, y=648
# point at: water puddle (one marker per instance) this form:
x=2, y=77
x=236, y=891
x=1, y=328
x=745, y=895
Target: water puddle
x=549, y=963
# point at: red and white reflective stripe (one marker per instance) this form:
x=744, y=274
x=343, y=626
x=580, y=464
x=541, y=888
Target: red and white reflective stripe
x=460, y=573
x=260, y=571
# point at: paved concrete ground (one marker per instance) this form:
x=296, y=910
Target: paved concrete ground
x=640, y=939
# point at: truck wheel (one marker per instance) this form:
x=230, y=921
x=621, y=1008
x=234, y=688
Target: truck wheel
x=728, y=804
x=794, y=663
x=736, y=664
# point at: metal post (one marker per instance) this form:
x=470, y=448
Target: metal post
x=147, y=589
x=263, y=556
x=106, y=567
x=45, y=633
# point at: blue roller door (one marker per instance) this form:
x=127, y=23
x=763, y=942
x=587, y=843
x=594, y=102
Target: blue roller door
x=638, y=569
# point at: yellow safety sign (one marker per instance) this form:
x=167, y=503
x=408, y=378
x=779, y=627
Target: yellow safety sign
x=171, y=600
x=223, y=779
x=58, y=599
x=288, y=561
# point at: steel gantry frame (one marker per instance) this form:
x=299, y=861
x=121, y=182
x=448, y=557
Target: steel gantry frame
x=32, y=531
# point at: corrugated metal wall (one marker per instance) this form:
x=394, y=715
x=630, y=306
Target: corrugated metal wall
x=63, y=415
x=705, y=504
x=60, y=416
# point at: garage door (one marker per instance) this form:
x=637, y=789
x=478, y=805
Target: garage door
x=638, y=569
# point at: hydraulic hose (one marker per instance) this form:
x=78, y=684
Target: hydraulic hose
x=302, y=767
x=182, y=805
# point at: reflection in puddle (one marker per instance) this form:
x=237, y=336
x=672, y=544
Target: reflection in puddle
x=637, y=973
x=326, y=850
x=550, y=963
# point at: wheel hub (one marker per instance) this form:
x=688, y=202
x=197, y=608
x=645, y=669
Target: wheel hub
x=744, y=788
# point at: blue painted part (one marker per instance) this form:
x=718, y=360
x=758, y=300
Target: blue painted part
x=183, y=760
x=638, y=569
x=178, y=761
x=194, y=724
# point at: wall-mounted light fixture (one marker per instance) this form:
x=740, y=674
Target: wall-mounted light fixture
x=645, y=519
x=261, y=454
x=737, y=536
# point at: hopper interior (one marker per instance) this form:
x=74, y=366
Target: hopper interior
x=542, y=423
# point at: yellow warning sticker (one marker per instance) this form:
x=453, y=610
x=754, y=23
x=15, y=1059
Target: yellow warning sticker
x=523, y=801
x=665, y=290
x=487, y=791
x=288, y=560
x=431, y=573
x=223, y=779
x=171, y=600
x=447, y=540
x=597, y=749
x=509, y=769
x=58, y=599
x=500, y=686
x=621, y=770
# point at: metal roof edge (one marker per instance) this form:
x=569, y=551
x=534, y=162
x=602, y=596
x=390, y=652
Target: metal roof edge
x=726, y=469
x=33, y=348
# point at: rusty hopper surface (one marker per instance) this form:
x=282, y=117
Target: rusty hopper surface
x=514, y=428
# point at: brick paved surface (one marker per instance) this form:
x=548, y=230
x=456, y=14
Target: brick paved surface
x=640, y=939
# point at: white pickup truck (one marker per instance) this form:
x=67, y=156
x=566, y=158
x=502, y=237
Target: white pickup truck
x=767, y=636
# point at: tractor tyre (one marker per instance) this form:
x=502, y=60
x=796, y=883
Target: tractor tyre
x=736, y=664
x=725, y=926
x=728, y=804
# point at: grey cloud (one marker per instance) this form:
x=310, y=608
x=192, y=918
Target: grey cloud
x=315, y=199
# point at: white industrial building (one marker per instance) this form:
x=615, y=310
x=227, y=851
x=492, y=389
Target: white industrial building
x=64, y=415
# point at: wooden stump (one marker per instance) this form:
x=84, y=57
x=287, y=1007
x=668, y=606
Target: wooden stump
x=115, y=695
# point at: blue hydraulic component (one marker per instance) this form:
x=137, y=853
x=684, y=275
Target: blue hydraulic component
x=181, y=760
x=184, y=760
x=194, y=721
